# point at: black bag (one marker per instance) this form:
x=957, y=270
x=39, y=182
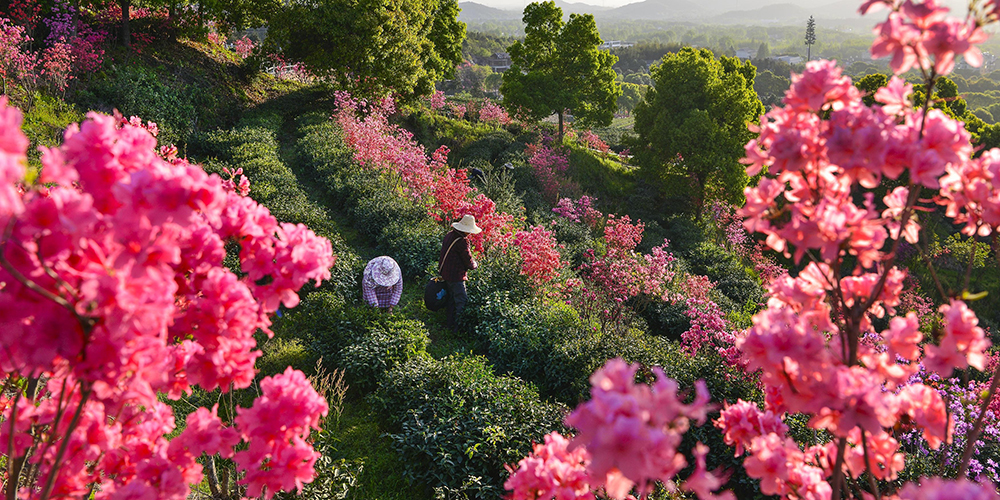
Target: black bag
x=436, y=290
x=436, y=294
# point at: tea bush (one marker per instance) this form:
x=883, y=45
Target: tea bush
x=457, y=424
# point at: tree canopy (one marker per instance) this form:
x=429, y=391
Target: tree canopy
x=373, y=47
x=692, y=125
x=559, y=67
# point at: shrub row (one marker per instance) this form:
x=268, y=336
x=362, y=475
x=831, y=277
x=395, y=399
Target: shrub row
x=454, y=423
x=545, y=342
x=373, y=199
x=253, y=146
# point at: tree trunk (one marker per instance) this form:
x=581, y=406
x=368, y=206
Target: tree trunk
x=126, y=35
x=560, y=113
x=174, y=22
x=213, y=478
x=809, y=52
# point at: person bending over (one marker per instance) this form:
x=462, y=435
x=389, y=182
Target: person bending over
x=382, y=284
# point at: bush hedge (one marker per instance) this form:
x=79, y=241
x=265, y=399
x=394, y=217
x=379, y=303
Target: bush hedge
x=463, y=423
x=253, y=146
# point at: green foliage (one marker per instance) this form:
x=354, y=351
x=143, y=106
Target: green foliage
x=45, y=122
x=770, y=88
x=382, y=348
x=869, y=84
x=253, y=146
x=179, y=109
x=558, y=66
x=372, y=47
x=632, y=95
x=692, y=125
x=280, y=353
x=463, y=424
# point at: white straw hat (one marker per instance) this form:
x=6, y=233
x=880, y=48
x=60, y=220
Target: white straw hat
x=467, y=225
x=382, y=271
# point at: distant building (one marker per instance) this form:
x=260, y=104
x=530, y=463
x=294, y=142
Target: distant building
x=615, y=44
x=745, y=53
x=790, y=59
x=499, y=61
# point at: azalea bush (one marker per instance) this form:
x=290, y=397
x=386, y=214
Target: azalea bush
x=114, y=291
x=824, y=155
x=618, y=277
x=446, y=193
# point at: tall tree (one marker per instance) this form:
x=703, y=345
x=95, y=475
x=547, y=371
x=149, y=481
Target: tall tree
x=373, y=47
x=692, y=124
x=559, y=67
x=810, y=37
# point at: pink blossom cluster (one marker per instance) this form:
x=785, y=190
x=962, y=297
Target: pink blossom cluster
x=708, y=322
x=826, y=153
x=436, y=100
x=922, y=35
x=620, y=274
x=551, y=471
x=17, y=63
x=66, y=28
x=540, y=259
x=549, y=165
x=591, y=140
x=627, y=436
x=243, y=47
x=114, y=290
x=580, y=210
x=490, y=112
x=445, y=192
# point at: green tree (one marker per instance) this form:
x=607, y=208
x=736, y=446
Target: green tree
x=763, y=51
x=631, y=96
x=558, y=67
x=692, y=124
x=770, y=88
x=810, y=37
x=373, y=47
x=869, y=84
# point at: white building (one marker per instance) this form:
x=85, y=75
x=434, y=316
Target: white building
x=615, y=44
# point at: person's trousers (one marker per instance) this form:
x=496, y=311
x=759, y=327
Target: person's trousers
x=457, y=297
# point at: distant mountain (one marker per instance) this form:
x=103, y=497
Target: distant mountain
x=708, y=11
x=656, y=10
x=779, y=13
x=579, y=8
x=472, y=11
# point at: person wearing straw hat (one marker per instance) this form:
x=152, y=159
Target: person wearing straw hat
x=455, y=260
x=382, y=284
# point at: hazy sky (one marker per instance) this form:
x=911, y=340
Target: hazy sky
x=520, y=4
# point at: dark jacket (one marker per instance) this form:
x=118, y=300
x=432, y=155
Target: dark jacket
x=459, y=258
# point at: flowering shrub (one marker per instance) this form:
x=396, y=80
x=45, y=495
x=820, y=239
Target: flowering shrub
x=736, y=238
x=826, y=152
x=581, y=210
x=549, y=165
x=243, y=47
x=445, y=192
x=490, y=112
x=436, y=100
x=540, y=257
x=16, y=62
x=620, y=274
x=708, y=323
x=591, y=140
x=114, y=290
